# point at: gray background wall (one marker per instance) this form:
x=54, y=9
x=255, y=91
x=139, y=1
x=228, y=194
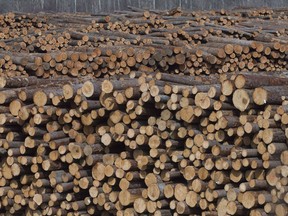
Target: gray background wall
x=94, y=6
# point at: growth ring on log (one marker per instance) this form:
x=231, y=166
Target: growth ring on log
x=241, y=99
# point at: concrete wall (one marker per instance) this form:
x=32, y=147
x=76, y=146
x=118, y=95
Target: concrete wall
x=94, y=6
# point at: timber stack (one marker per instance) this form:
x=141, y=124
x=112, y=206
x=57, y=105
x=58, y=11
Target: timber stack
x=144, y=113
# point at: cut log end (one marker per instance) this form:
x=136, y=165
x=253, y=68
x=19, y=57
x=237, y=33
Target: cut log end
x=239, y=81
x=241, y=99
x=88, y=89
x=260, y=96
x=107, y=86
x=2, y=82
x=227, y=88
x=249, y=200
x=40, y=98
x=67, y=91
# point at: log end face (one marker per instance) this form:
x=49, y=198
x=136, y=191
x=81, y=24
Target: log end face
x=7, y=172
x=260, y=96
x=272, y=178
x=38, y=199
x=106, y=139
x=2, y=82
x=180, y=192
x=88, y=89
x=98, y=171
x=107, y=86
x=240, y=81
x=229, y=49
x=284, y=157
x=2, y=119
x=248, y=200
x=67, y=91
x=222, y=207
x=231, y=208
x=93, y=192
x=180, y=207
x=139, y=205
x=168, y=191
x=46, y=165
x=221, y=54
x=227, y=88
x=124, y=197
x=241, y=99
x=153, y=192
x=281, y=209
x=3, y=98
x=267, y=136
x=189, y=172
x=15, y=169
x=40, y=98
x=191, y=199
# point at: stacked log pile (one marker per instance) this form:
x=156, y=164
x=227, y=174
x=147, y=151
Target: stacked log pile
x=144, y=113
x=175, y=42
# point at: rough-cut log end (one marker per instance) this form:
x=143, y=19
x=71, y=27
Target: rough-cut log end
x=67, y=91
x=153, y=192
x=229, y=49
x=202, y=100
x=187, y=114
x=2, y=82
x=241, y=99
x=88, y=89
x=240, y=81
x=98, y=171
x=260, y=96
x=281, y=209
x=107, y=86
x=272, y=178
x=222, y=207
x=267, y=136
x=3, y=98
x=249, y=200
x=124, y=197
x=180, y=192
x=284, y=157
x=40, y=98
x=38, y=199
x=189, y=173
x=139, y=205
x=14, y=107
x=227, y=88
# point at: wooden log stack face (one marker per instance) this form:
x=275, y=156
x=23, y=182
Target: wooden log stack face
x=190, y=43
x=144, y=113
